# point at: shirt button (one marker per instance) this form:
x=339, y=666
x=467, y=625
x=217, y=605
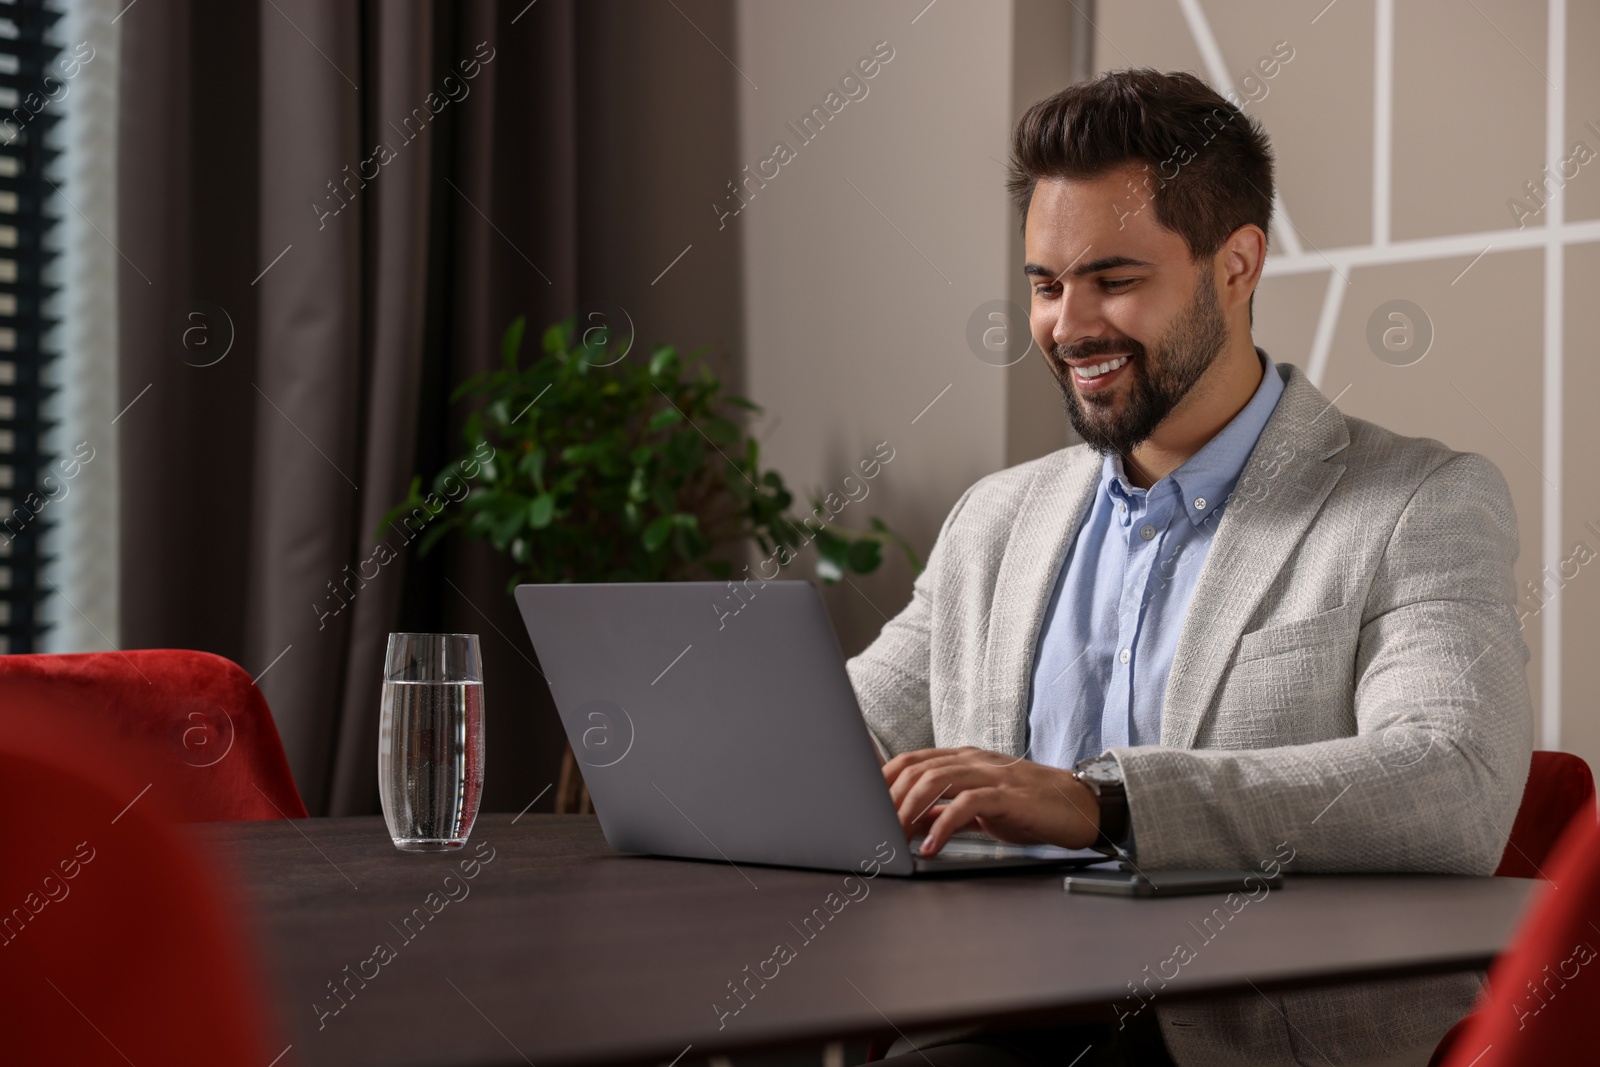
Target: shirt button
x=1125, y=655
x=1146, y=531
x=1199, y=503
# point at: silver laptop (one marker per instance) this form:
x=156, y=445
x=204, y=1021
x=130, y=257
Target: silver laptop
x=716, y=721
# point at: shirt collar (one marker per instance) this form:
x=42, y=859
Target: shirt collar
x=1209, y=475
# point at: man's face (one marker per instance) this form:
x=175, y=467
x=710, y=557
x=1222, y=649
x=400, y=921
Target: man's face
x=1112, y=286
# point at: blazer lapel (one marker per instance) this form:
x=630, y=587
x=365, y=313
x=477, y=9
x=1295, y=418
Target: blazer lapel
x=1283, y=484
x=1053, y=508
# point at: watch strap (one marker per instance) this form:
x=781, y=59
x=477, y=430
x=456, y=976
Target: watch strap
x=1106, y=784
x=1113, y=814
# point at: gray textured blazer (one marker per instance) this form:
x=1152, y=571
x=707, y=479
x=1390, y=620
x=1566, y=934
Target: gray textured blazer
x=1349, y=680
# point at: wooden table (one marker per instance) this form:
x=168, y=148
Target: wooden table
x=559, y=951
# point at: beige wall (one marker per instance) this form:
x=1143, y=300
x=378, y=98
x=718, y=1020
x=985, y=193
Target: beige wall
x=1402, y=130
x=865, y=256
x=868, y=259
x=1051, y=48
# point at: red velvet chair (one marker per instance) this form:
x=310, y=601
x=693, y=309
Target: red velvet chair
x=118, y=939
x=198, y=724
x=1559, y=796
x=1559, y=786
x=1544, y=991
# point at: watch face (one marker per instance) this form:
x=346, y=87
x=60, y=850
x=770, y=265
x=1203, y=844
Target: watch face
x=1102, y=771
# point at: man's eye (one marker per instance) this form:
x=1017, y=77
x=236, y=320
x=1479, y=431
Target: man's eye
x=1044, y=288
x=1116, y=283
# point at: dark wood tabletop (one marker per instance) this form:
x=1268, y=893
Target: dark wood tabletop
x=555, y=950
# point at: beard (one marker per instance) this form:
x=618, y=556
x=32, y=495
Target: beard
x=1155, y=384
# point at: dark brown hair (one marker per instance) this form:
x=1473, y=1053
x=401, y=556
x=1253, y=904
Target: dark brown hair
x=1210, y=165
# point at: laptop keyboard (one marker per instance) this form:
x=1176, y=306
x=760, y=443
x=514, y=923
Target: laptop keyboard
x=958, y=850
x=971, y=850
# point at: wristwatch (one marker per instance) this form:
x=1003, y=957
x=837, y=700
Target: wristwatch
x=1103, y=775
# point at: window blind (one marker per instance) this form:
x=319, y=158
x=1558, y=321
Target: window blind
x=28, y=86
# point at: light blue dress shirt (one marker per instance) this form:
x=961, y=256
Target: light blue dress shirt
x=1121, y=595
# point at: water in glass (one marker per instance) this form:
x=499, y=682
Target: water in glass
x=430, y=753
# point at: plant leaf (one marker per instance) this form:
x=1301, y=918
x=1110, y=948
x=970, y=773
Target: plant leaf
x=508, y=526
x=721, y=431
x=833, y=556
x=541, y=511
x=865, y=556
x=664, y=498
x=471, y=385
x=655, y=535
x=664, y=356
x=555, y=338
x=663, y=418
x=511, y=343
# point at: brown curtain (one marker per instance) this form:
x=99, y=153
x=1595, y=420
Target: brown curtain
x=300, y=180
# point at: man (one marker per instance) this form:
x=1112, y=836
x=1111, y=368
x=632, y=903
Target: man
x=1235, y=623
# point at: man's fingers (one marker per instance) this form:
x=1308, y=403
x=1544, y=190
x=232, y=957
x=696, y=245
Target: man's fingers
x=920, y=825
x=958, y=815
x=934, y=780
x=920, y=799
x=897, y=766
x=939, y=762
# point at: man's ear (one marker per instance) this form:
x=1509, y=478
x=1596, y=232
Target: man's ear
x=1237, y=266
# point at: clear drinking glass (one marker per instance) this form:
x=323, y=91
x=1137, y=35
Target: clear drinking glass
x=430, y=740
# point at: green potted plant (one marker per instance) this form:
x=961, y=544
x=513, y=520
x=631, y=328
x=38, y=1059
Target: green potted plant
x=587, y=466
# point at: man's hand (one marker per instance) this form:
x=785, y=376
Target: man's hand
x=1011, y=799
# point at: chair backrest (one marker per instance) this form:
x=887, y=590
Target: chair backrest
x=1559, y=786
x=1542, y=993
x=200, y=725
x=119, y=941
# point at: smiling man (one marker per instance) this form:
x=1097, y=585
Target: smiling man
x=1233, y=620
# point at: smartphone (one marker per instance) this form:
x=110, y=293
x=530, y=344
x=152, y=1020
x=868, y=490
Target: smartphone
x=1124, y=882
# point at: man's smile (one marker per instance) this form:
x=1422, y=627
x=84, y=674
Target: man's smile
x=1094, y=376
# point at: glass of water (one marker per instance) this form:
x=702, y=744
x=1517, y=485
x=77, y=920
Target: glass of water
x=430, y=740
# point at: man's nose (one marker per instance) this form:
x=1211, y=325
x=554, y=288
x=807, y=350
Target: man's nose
x=1078, y=317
